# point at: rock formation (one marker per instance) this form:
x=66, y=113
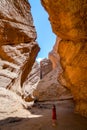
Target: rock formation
x=54, y=56
x=45, y=67
x=18, y=51
x=49, y=89
x=68, y=20
x=33, y=79
x=11, y=105
x=18, y=48
x=31, y=82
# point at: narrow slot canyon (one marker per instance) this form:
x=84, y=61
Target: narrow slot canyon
x=36, y=75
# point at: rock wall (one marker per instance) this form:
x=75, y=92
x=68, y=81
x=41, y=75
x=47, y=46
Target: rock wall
x=54, y=56
x=31, y=82
x=18, y=48
x=68, y=20
x=11, y=106
x=45, y=67
x=49, y=89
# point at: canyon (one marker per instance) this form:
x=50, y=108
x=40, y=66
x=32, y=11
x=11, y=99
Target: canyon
x=60, y=79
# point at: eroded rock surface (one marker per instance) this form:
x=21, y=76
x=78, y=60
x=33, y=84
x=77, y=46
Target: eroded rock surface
x=31, y=82
x=11, y=105
x=49, y=89
x=68, y=20
x=18, y=51
x=45, y=67
x=18, y=48
x=54, y=56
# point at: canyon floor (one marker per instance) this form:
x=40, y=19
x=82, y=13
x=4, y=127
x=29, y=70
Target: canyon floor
x=39, y=117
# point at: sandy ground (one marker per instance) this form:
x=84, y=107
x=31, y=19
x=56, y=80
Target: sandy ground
x=40, y=118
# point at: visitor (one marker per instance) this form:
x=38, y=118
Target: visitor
x=54, y=118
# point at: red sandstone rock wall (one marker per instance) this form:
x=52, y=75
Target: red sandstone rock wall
x=68, y=19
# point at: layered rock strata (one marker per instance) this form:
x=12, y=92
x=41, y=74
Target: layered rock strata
x=18, y=48
x=68, y=20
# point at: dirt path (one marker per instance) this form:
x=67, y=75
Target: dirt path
x=42, y=118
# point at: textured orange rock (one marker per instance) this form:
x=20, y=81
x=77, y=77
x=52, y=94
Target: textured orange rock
x=18, y=48
x=68, y=20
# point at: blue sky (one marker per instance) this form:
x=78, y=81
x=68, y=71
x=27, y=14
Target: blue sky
x=45, y=37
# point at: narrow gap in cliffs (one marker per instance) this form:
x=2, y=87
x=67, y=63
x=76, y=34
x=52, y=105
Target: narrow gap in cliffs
x=49, y=68
x=29, y=91
x=45, y=36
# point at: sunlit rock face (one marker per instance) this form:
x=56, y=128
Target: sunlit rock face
x=45, y=67
x=11, y=105
x=68, y=20
x=18, y=48
x=16, y=24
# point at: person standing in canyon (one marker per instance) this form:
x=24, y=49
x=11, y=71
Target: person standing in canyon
x=54, y=117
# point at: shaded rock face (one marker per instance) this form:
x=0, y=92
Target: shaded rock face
x=18, y=48
x=68, y=20
x=31, y=82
